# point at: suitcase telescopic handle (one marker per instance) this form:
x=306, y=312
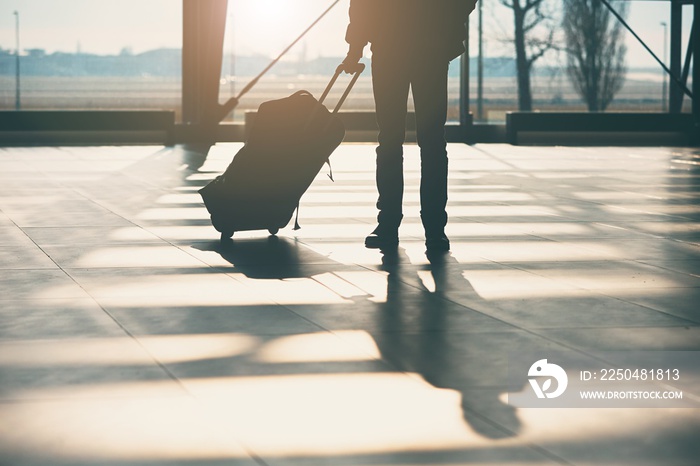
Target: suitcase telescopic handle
x=355, y=75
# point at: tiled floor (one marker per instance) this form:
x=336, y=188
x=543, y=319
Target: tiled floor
x=130, y=336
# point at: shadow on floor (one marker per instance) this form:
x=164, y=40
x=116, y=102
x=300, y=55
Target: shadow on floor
x=411, y=327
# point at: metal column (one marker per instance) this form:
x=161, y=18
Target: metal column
x=204, y=23
x=675, y=92
x=464, y=116
x=696, y=67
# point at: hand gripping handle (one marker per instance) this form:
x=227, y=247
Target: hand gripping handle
x=356, y=74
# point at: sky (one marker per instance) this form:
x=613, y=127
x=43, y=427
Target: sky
x=254, y=26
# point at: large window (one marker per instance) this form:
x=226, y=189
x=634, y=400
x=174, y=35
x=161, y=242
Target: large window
x=91, y=54
x=644, y=84
x=127, y=54
x=259, y=30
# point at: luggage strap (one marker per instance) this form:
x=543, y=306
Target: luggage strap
x=330, y=175
x=351, y=84
x=296, y=217
x=338, y=70
x=296, y=220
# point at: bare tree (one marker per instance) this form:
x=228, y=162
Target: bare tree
x=529, y=47
x=595, y=51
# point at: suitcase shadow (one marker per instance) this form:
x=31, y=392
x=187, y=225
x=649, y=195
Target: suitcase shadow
x=267, y=258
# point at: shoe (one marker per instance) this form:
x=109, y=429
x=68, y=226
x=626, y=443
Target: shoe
x=382, y=238
x=437, y=243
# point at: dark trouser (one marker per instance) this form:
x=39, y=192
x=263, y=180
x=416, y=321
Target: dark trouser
x=426, y=76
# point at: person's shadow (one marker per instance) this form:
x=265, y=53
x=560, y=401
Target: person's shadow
x=418, y=334
x=414, y=328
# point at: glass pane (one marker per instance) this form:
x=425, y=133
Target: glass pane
x=91, y=54
x=259, y=30
x=645, y=85
x=497, y=92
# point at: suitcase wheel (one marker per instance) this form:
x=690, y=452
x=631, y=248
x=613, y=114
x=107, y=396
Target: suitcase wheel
x=226, y=235
x=273, y=231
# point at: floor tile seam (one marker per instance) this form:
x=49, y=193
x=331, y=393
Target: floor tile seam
x=337, y=267
x=512, y=326
x=591, y=223
x=640, y=235
x=565, y=196
x=145, y=268
x=692, y=323
x=555, y=237
x=80, y=192
x=493, y=238
x=22, y=300
x=667, y=268
x=535, y=330
x=97, y=244
x=135, y=272
x=626, y=289
x=533, y=168
x=605, y=218
x=581, y=349
x=34, y=267
x=642, y=188
x=492, y=157
x=600, y=292
x=110, y=315
x=286, y=306
x=231, y=276
x=641, y=287
x=85, y=196
x=416, y=378
x=612, y=259
x=368, y=354
x=635, y=211
x=26, y=235
x=541, y=450
x=643, y=267
x=625, y=227
x=408, y=375
x=126, y=331
x=101, y=398
x=273, y=302
x=685, y=242
x=169, y=242
x=147, y=181
x=357, y=221
x=451, y=332
x=263, y=298
x=559, y=199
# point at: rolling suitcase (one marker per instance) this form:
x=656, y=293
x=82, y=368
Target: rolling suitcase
x=289, y=142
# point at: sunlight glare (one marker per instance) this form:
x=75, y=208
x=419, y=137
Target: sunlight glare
x=351, y=345
x=277, y=22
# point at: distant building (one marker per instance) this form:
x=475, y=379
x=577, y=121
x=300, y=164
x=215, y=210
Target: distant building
x=36, y=53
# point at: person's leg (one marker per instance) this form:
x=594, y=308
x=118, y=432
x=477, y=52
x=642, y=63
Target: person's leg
x=390, y=83
x=429, y=85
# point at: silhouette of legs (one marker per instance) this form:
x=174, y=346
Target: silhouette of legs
x=391, y=83
x=393, y=74
x=429, y=88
